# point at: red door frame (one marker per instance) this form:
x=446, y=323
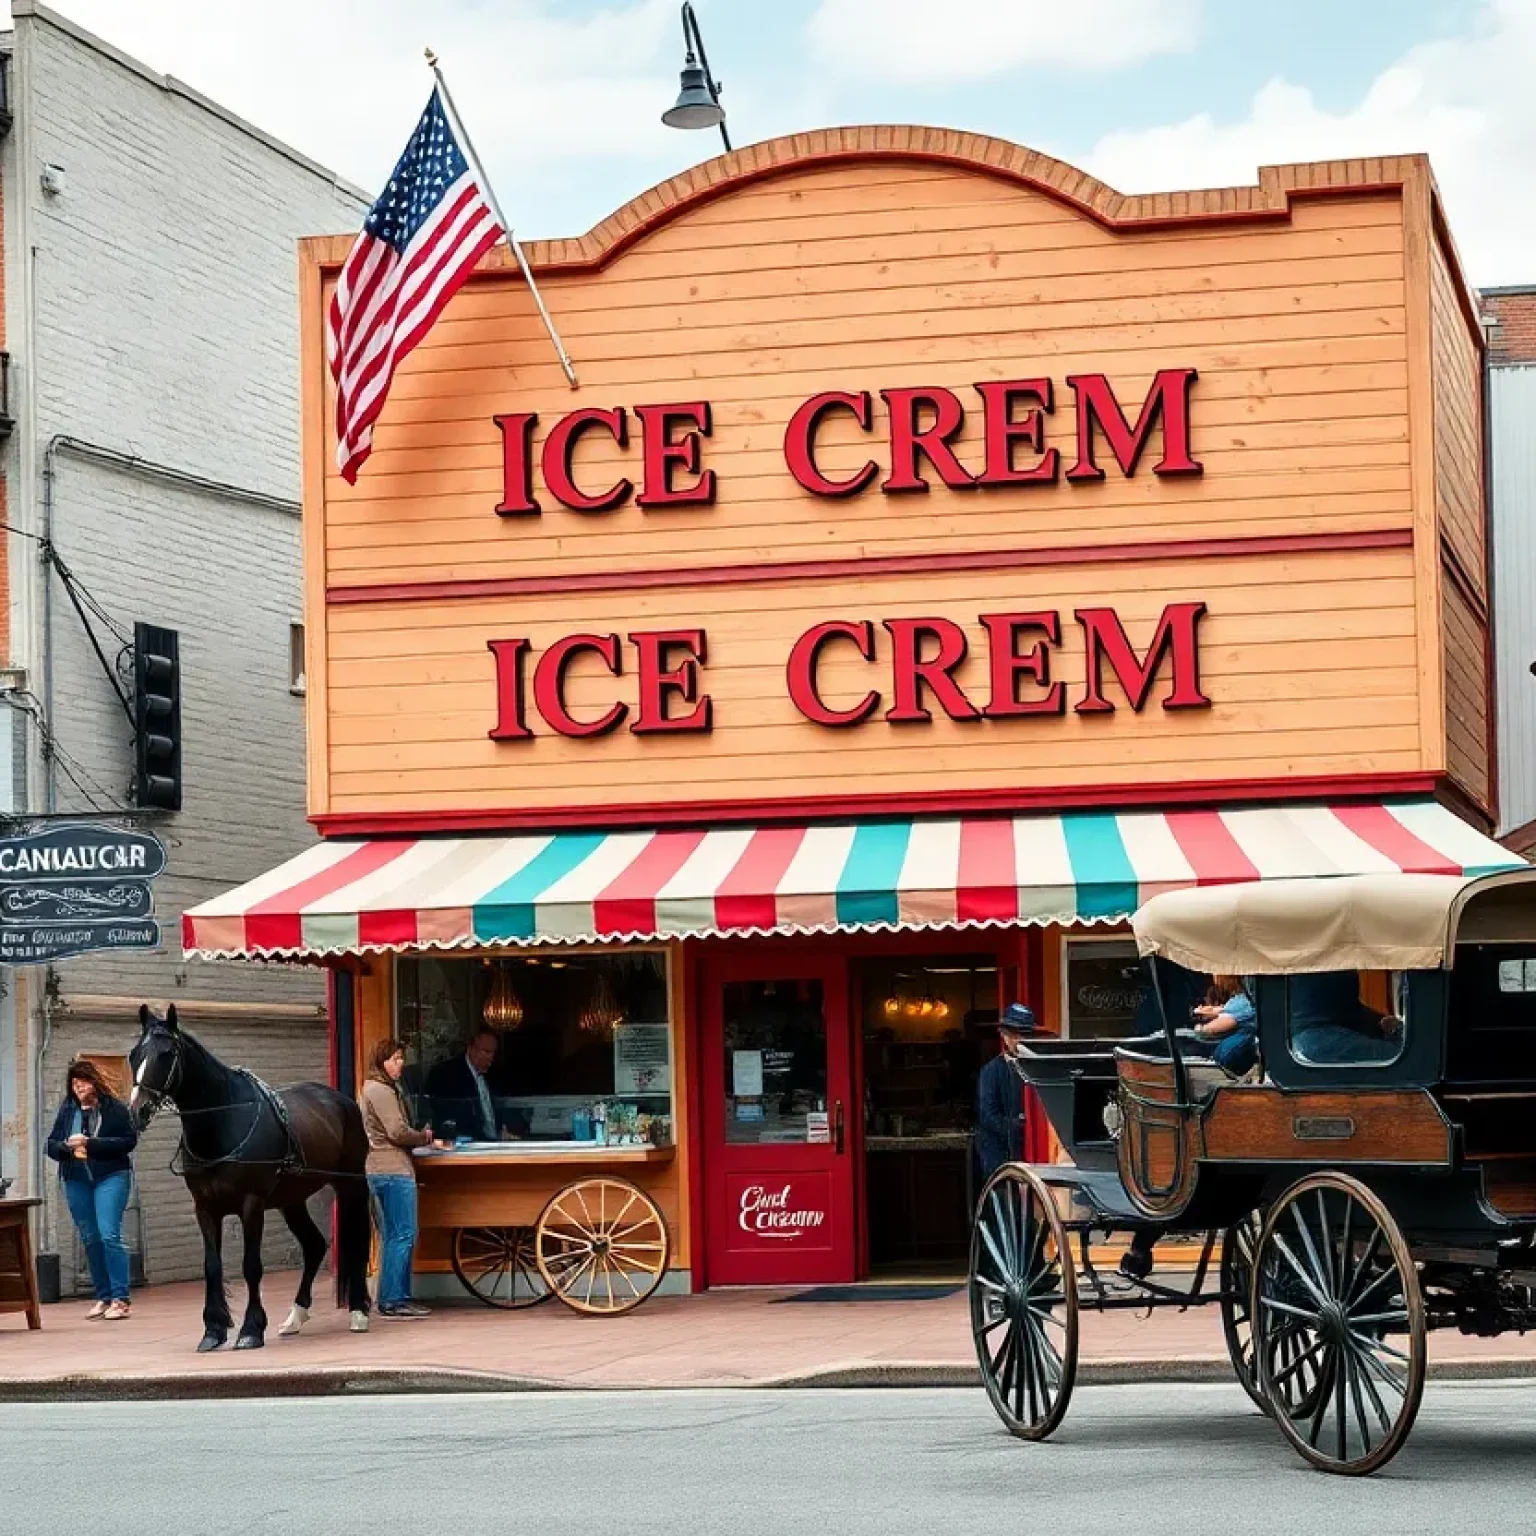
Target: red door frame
x=1018, y=950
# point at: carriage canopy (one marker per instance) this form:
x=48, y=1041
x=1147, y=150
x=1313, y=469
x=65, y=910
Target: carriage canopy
x=1386, y=922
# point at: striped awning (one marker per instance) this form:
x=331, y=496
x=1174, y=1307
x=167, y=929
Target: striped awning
x=345, y=897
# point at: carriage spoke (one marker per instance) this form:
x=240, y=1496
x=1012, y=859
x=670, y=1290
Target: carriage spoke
x=1317, y=1281
x=1283, y=1248
x=1367, y=1259
x=1340, y=1403
x=1362, y=1375
x=1389, y=1273
x=1273, y=1305
x=997, y=1258
x=1378, y=1347
x=1325, y=1272
x=1298, y=1361
x=1399, y=1316
x=1325, y=1392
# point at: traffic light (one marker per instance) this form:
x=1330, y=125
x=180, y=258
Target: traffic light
x=156, y=717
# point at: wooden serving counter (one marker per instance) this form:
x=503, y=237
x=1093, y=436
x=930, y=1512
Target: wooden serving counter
x=507, y=1183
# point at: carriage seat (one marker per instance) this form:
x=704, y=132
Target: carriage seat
x=1203, y=1075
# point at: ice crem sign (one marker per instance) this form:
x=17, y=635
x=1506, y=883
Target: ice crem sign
x=996, y=665
x=767, y=1213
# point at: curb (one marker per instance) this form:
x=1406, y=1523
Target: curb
x=342, y=1381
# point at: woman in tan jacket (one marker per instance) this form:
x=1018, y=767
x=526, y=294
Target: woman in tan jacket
x=392, y=1178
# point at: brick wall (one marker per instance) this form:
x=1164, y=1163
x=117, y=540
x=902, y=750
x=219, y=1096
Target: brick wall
x=164, y=325
x=1513, y=337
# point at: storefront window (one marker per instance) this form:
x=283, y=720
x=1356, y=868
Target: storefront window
x=567, y=1044
x=775, y=1062
x=1105, y=985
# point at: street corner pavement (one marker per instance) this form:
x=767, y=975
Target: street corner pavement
x=727, y=1338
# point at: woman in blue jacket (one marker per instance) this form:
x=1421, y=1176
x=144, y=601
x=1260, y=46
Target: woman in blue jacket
x=92, y=1140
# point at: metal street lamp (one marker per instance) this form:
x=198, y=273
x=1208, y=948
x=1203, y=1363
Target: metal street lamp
x=698, y=102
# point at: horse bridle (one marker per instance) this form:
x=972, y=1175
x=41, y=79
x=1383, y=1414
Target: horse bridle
x=167, y=1094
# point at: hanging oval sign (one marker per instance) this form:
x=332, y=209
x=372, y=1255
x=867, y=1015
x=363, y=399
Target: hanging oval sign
x=80, y=850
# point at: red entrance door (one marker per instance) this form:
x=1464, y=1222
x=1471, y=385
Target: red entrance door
x=778, y=1169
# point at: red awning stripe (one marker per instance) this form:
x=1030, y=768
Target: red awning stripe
x=628, y=903
x=277, y=922
x=1213, y=853
x=1376, y=825
x=988, y=887
x=748, y=896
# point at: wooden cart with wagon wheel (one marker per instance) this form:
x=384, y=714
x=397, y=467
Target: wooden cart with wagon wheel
x=1374, y=1179
x=573, y=1226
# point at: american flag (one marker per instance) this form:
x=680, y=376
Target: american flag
x=421, y=239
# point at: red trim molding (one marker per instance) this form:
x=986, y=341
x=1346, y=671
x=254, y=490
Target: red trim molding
x=1048, y=799
x=800, y=571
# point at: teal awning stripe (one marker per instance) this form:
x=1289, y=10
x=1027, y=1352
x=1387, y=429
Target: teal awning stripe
x=1101, y=868
x=510, y=911
x=866, y=889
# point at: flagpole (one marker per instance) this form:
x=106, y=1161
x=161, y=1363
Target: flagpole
x=462, y=134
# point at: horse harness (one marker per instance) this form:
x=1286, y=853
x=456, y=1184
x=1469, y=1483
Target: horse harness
x=292, y=1160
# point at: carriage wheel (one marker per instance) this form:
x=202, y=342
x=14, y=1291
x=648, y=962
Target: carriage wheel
x=1237, y=1249
x=1333, y=1283
x=496, y=1265
x=602, y=1246
x=1023, y=1294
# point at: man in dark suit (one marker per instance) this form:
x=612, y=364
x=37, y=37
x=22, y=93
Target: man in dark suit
x=1000, y=1096
x=458, y=1090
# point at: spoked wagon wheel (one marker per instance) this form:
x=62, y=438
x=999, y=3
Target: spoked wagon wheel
x=496, y=1265
x=1237, y=1250
x=1023, y=1295
x=602, y=1246
x=1338, y=1324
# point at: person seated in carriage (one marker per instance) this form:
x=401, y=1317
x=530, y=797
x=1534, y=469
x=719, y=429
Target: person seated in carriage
x=1228, y=1025
x=1329, y=1024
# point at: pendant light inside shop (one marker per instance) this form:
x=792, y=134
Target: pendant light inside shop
x=503, y=1008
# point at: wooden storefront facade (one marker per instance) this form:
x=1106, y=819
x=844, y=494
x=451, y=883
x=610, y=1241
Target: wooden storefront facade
x=914, y=482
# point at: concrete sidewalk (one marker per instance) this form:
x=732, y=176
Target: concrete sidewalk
x=719, y=1339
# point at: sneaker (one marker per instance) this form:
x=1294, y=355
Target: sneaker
x=99, y=1310
x=415, y=1309
x=402, y=1312
x=116, y=1311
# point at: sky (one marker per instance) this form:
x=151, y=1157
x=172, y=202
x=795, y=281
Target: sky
x=563, y=97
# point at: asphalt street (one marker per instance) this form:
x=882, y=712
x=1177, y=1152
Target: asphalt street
x=1145, y=1460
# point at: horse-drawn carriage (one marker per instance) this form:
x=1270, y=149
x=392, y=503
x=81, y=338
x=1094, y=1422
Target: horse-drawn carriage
x=1372, y=1179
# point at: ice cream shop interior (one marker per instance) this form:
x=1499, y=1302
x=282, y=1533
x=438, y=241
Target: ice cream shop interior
x=940, y=553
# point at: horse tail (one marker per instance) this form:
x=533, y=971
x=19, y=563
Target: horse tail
x=354, y=1239
x=354, y=1222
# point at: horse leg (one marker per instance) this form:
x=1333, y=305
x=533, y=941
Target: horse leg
x=216, y=1319
x=253, y=1327
x=303, y=1227
x=354, y=1231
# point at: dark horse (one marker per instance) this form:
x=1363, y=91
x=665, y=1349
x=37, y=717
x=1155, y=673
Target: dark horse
x=248, y=1149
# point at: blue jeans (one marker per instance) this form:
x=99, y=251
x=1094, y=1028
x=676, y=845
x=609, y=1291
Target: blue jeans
x=96, y=1208
x=394, y=1209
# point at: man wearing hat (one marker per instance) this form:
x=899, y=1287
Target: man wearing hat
x=1000, y=1096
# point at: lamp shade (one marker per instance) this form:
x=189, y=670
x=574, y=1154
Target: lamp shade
x=694, y=107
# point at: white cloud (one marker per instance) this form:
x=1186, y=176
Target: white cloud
x=1468, y=102
x=343, y=80
x=935, y=42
